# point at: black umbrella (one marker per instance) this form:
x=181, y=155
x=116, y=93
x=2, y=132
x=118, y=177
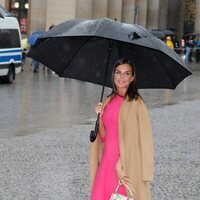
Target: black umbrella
x=87, y=50
x=158, y=33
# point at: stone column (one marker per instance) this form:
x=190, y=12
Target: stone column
x=142, y=12
x=175, y=17
x=6, y=4
x=100, y=9
x=153, y=14
x=37, y=15
x=163, y=11
x=197, y=20
x=60, y=12
x=115, y=9
x=84, y=9
x=128, y=11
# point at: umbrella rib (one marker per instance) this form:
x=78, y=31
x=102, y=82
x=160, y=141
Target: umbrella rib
x=76, y=53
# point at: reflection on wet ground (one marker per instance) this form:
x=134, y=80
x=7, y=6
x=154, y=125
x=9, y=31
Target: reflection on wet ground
x=43, y=100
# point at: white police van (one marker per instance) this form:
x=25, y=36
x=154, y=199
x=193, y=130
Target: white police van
x=10, y=47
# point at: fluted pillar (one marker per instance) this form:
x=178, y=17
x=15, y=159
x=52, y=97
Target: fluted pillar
x=163, y=12
x=142, y=12
x=153, y=14
x=197, y=20
x=6, y=4
x=100, y=8
x=128, y=11
x=115, y=9
x=84, y=9
x=175, y=17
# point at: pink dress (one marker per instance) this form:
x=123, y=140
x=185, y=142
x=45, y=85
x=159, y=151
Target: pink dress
x=106, y=179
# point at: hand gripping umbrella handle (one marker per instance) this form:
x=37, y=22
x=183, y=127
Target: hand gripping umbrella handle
x=93, y=134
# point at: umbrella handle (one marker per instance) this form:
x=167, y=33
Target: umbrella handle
x=93, y=134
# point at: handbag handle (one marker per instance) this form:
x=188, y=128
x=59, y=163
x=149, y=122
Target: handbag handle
x=127, y=187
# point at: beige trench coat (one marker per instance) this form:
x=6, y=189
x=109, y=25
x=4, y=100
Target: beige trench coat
x=136, y=148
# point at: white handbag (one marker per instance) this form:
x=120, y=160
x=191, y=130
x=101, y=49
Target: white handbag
x=117, y=196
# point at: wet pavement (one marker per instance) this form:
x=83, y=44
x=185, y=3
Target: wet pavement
x=45, y=123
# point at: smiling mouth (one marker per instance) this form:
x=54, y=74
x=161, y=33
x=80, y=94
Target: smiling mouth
x=121, y=82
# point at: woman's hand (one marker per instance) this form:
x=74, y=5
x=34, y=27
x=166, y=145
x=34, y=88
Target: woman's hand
x=98, y=108
x=120, y=173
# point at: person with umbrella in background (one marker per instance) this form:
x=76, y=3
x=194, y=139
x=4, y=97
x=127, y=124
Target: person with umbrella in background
x=32, y=40
x=125, y=134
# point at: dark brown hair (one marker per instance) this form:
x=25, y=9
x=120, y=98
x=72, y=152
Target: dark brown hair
x=132, y=91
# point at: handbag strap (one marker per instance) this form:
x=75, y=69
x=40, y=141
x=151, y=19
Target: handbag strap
x=127, y=187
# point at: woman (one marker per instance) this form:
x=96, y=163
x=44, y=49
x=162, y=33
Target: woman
x=124, y=149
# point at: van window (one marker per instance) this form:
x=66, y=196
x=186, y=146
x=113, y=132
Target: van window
x=9, y=38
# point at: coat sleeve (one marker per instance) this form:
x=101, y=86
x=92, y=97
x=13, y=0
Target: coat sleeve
x=146, y=143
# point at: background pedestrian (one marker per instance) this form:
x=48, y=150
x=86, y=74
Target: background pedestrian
x=169, y=42
x=188, y=53
x=197, y=49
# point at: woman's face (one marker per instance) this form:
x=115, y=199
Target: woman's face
x=123, y=76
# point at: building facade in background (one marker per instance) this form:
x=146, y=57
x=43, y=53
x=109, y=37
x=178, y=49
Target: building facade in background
x=36, y=15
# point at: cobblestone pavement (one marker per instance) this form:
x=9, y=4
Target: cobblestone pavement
x=44, y=143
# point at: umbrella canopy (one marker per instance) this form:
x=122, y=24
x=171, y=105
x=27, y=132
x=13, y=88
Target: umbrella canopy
x=168, y=32
x=87, y=50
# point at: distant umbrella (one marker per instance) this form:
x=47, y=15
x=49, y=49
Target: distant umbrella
x=34, y=36
x=157, y=33
x=168, y=32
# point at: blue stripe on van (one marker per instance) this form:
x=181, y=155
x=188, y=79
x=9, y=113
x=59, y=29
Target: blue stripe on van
x=10, y=50
x=8, y=58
